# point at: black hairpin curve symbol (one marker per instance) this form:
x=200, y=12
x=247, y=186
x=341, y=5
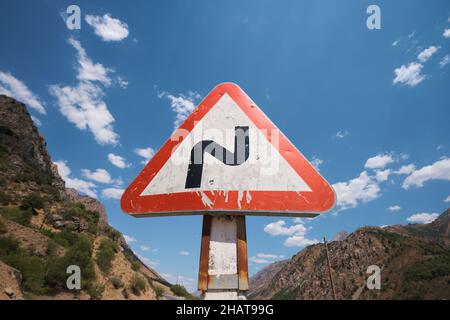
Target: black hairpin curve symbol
x=240, y=155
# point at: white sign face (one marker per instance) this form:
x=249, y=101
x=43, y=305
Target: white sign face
x=264, y=170
x=228, y=157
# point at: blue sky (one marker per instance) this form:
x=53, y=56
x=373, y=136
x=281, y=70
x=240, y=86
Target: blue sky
x=369, y=107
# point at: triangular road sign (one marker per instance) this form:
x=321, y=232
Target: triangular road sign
x=228, y=157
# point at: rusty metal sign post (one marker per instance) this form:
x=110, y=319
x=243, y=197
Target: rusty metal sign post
x=227, y=160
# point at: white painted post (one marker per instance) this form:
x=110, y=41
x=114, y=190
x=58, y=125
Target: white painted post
x=224, y=279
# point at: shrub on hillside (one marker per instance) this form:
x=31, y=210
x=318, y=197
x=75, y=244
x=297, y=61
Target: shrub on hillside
x=32, y=200
x=3, y=228
x=21, y=216
x=117, y=282
x=4, y=198
x=111, y=233
x=137, y=284
x=105, y=254
x=96, y=291
x=159, y=292
x=80, y=254
x=31, y=267
x=181, y=291
x=74, y=209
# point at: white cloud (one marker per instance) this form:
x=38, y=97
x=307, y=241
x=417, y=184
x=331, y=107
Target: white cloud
x=301, y=220
x=265, y=258
x=129, y=239
x=448, y=199
x=446, y=33
x=341, y=134
x=382, y=175
x=36, y=121
x=182, y=105
x=279, y=229
x=14, y=88
x=394, y=208
x=445, y=60
x=107, y=27
x=406, y=169
x=99, y=175
x=122, y=82
x=82, y=186
x=118, y=161
x=148, y=248
x=395, y=43
x=379, y=162
x=83, y=105
x=427, y=53
x=87, y=69
x=146, y=153
x=184, y=253
x=440, y=170
x=295, y=232
x=299, y=241
x=316, y=162
x=112, y=193
x=147, y=261
x=422, y=217
x=364, y=188
x=409, y=75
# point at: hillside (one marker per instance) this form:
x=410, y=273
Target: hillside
x=45, y=227
x=414, y=262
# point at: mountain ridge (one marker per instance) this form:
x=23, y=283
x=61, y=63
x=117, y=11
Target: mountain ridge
x=414, y=262
x=44, y=227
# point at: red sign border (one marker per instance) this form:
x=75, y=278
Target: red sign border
x=282, y=203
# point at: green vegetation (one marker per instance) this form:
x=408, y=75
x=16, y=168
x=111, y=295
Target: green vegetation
x=105, y=254
x=137, y=284
x=41, y=276
x=181, y=291
x=64, y=238
x=96, y=292
x=4, y=198
x=32, y=173
x=3, y=228
x=52, y=192
x=31, y=267
x=438, y=266
x=111, y=233
x=32, y=200
x=91, y=218
x=116, y=282
x=135, y=263
x=159, y=292
x=80, y=254
x=21, y=216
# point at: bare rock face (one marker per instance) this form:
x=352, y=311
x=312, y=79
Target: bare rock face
x=414, y=262
x=27, y=148
x=261, y=279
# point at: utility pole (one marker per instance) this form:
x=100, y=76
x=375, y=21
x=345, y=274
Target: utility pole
x=329, y=268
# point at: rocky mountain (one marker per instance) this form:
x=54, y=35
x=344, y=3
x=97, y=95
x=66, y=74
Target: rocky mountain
x=45, y=227
x=414, y=262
